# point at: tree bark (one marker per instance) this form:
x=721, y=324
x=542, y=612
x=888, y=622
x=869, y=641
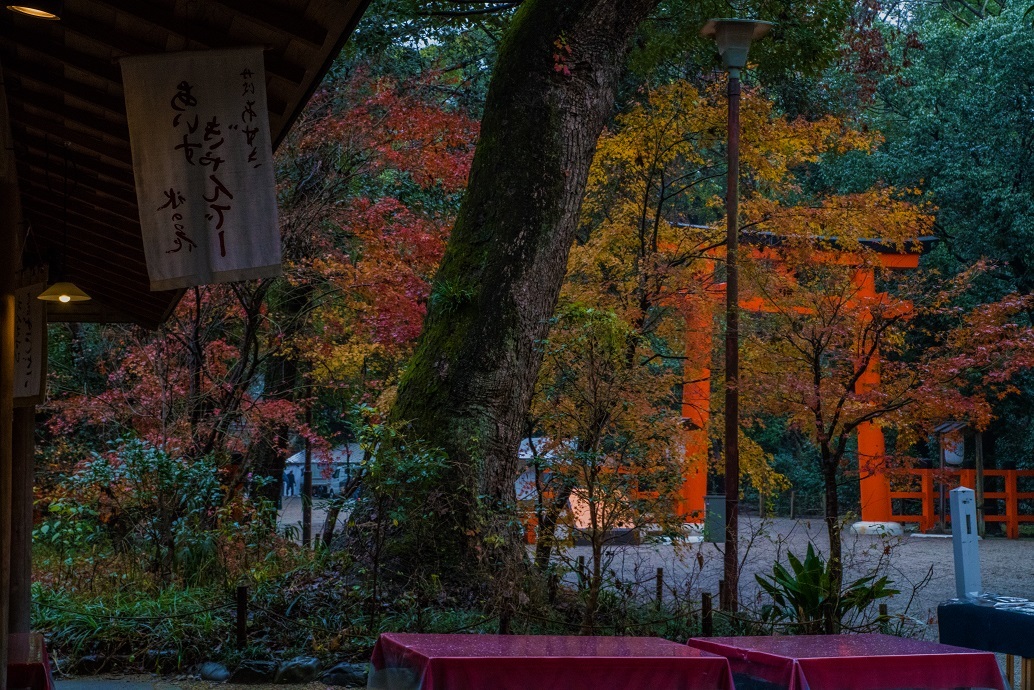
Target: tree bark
x=831, y=623
x=469, y=384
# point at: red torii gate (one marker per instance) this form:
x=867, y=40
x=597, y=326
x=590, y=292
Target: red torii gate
x=696, y=389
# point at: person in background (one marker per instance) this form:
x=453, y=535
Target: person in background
x=289, y=483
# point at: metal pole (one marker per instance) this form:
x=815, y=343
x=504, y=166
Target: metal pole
x=732, y=352
x=979, y=481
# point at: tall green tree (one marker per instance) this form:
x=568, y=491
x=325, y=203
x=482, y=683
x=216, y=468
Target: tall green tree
x=468, y=387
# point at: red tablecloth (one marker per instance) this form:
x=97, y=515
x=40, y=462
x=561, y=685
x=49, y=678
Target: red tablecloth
x=543, y=662
x=27, y=663
x=852, y=662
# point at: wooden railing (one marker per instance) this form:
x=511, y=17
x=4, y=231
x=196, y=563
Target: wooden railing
x=929, y=482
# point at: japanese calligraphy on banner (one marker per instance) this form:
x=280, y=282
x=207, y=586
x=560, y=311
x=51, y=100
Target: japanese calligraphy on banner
x=203, y=162
x=30, y=346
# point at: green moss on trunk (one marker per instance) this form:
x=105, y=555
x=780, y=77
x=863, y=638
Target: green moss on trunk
x=469, y=384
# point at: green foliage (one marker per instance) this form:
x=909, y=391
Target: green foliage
x=805, y=597
x=408, y=493
x=805, y=39
x=137, y=501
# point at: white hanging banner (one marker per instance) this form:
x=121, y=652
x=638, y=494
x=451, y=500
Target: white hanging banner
x=30, y=346
x=203, y=162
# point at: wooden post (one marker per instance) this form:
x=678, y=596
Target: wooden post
x=242, y=616
x=926, y=481
x=883, y=618
x=978, y=482
x=6, y=445
x=660, y=588
x=1010, y=670
x=10, y=264
x=581, y=572
x=793, y=496
x=24, y=446
x=1027, y=674
x=706, y=615
x=1012, y=522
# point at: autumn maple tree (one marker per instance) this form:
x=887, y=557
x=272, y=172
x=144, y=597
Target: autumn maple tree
x=366, y=184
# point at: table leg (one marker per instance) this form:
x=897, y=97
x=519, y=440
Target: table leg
x=1027, y=674
x=1010, y=669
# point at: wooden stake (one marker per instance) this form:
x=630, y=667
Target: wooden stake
x=242, y=616
x=706, y=615
x=979, y=481
x=660, y=588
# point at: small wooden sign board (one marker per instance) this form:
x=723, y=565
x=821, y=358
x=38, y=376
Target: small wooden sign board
x=30, y=350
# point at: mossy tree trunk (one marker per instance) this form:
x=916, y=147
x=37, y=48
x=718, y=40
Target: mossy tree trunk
x=468, y=387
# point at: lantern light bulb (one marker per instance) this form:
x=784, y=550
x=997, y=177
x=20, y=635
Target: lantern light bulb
x=41, y=9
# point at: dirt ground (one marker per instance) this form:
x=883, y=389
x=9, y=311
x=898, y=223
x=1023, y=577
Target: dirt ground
x=922, y=567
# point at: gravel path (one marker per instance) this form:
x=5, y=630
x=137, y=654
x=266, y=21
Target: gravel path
x=1007, y=566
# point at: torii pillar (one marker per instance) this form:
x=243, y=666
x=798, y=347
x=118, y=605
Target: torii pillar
x=873, y=482
x=696, y=407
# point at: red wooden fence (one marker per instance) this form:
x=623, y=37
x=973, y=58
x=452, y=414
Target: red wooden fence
x=928, y=482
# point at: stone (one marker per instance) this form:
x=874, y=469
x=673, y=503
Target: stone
x=301, y=669
x=90, y=664
x=878, y=529
x=160, y=659
x=254, y=672
x=213, y=671
x=346, y=673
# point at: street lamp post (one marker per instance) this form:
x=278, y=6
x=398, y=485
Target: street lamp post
x=733, y=37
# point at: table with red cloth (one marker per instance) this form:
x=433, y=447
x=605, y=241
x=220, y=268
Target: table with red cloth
x=543, y=662
x=27, y=663
x=852, y=662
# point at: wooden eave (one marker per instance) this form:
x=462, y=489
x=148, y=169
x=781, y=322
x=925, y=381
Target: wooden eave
x=71, y=141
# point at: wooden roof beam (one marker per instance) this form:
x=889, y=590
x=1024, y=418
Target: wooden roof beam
x=272, y=17
x=39, y=43
x=35, y=165
x=78, y=190
x=52, y=202
x=77, y=90
x=44, y=148
x=202, y=34
x=57, y=107
x=114, y=150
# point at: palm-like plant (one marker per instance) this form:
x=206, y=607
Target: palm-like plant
x=804, y=595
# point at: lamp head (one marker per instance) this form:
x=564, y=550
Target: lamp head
x=734, y=37
x=42, y=9
x=64, y=293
